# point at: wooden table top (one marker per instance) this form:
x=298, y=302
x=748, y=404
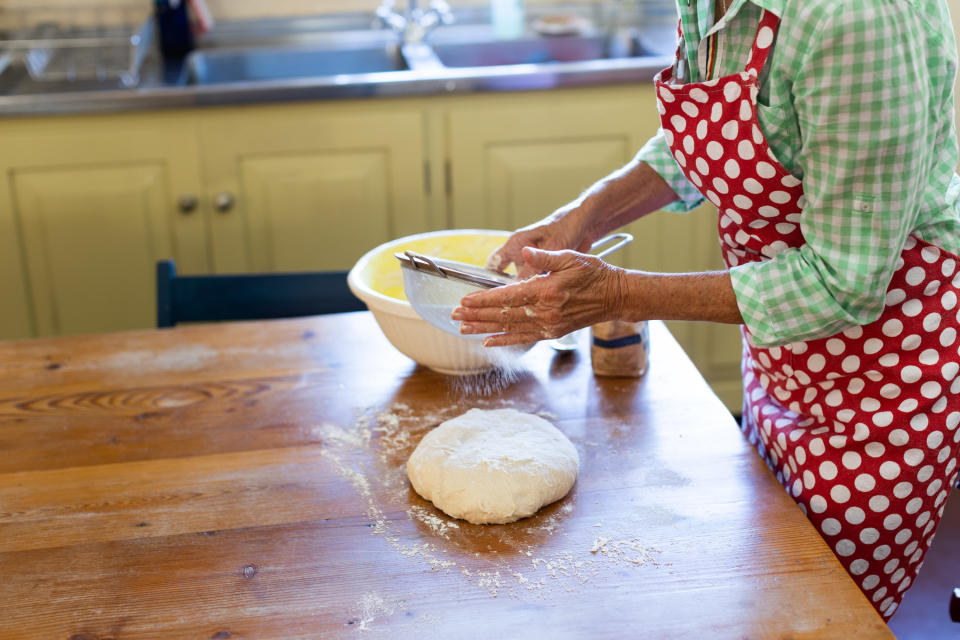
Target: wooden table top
x=247, y=481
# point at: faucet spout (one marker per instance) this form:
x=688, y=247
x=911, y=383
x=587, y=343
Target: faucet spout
x=414, y=24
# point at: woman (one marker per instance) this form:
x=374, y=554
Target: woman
x=823, y=133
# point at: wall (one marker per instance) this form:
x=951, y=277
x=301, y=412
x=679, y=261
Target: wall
x=219, y=8
x=14, y=13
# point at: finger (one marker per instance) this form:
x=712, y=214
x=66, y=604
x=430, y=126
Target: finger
x=471, y=328
x=548, y=261
x=511, y=295
x=506, y=319
x=509, y=339
x=494, y=314
x=498, y=260
x=525, y=271
x=510, y=252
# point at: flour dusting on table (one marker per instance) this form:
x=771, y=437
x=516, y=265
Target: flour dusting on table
x=372, y=605
x=370, y=455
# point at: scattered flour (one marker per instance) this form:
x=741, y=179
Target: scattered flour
x=355, y=478
x=630, y=551
x=331, y=433
x=183, y=358
x=187, y=357
x=370, y=455
x=371, y=605
x=439, y=526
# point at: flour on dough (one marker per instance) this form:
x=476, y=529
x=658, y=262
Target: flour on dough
x=493, y=466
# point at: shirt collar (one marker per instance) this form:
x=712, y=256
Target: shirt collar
x=696, y=21
x=773, y=6
x=705, y=12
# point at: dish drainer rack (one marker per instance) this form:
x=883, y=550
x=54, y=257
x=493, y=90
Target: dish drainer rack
x=77, y=42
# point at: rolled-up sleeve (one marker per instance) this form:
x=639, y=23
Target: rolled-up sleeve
x=657, y=154
x=861, y=104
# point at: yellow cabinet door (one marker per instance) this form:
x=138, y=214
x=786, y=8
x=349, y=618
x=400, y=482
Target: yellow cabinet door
x=94, y=205
x=16, y=317
x=312, y=187
x=516, y=158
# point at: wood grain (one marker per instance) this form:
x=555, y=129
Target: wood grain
x=246, y=481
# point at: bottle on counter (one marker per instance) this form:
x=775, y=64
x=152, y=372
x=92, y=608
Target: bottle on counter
x=173, y=23
x=508, y=18
x=620, y=349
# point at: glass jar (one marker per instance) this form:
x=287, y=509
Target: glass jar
x=620, y=349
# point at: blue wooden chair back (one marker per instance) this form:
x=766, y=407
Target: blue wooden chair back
x=212, y=298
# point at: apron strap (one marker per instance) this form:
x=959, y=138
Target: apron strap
x=763, y=42
x=675, y=71
x=680, y=45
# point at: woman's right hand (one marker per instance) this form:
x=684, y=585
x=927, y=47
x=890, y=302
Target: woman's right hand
x=558, y=231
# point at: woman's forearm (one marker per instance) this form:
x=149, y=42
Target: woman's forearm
x=704, y=296
x=575, y=291
x=631, y=193
x=625, y=195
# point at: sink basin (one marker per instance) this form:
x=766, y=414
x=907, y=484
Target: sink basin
x=536, y=51
x=350, y=59
x=237, y=58
x=255, y=64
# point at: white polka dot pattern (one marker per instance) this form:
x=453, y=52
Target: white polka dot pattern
x=878, y=490
x=861, y=428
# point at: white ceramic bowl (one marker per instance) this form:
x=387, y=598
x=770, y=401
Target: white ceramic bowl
x=408, y=332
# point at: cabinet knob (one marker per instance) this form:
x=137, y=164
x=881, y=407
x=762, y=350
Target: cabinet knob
x=223, y=202
x=187, y=203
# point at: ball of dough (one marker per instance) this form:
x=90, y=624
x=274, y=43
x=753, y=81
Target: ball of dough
x=493, y=466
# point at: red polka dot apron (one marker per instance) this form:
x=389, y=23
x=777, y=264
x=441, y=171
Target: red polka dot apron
x=861, y=427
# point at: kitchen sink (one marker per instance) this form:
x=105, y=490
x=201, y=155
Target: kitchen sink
x=541, y=50
x=256, y=64
x=251, y=64
x=244, y=53
x=345, y=56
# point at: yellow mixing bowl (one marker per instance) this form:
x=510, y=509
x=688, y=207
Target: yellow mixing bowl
x=377, y=280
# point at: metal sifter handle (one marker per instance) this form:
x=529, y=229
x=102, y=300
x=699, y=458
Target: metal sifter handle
x=622, y=240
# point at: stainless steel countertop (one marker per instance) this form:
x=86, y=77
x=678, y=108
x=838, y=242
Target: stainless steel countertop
x=164, y=85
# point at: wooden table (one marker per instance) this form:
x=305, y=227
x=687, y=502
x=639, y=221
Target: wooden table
x=246, y=481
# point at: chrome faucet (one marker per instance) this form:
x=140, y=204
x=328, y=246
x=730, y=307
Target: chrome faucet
x=415, y=23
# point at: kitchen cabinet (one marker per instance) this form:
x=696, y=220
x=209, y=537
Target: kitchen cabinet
x=302, y=187
x=92, y=202
x=512, y=162
x=88, y=206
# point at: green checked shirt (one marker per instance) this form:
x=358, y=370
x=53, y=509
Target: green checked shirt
x=856, y=101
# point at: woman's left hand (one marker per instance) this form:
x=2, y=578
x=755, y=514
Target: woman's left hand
x=574, y=290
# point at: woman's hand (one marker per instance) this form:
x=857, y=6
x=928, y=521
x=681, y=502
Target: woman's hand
x=574, y=290
x=560, y=230
x=628, y=193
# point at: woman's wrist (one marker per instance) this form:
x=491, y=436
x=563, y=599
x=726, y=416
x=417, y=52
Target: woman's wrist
x=576, y=225
x=704, y=296
x=622, y=298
